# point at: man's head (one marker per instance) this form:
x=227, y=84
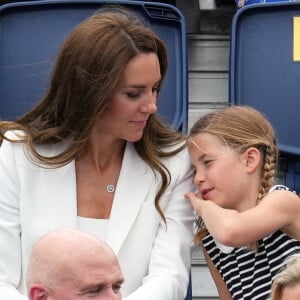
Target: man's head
x=67, y=264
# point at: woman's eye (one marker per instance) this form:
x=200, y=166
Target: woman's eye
x=207, y=162
x=156, y=90
x=133, y=95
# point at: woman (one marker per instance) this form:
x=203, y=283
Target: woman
x=94, y=155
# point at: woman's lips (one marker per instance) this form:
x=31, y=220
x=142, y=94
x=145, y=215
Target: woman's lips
x=140, y=123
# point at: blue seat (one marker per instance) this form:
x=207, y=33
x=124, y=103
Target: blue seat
x=189, y=295
x=290, y=168
x=267, y=77
x=32, y=31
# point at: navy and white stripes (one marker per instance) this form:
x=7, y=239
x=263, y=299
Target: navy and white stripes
x=247, y=273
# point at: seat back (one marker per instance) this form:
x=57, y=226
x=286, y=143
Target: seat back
x=265, y=72
x=189, y=295
x=32, y=31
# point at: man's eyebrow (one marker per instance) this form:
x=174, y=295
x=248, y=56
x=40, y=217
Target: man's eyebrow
x=89, y=286
x=96, y=285
x=119, y=282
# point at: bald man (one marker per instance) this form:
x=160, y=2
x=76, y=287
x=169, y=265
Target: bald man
x=68, y=264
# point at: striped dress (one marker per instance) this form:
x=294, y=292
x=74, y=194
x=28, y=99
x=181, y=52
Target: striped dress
x=249, y=274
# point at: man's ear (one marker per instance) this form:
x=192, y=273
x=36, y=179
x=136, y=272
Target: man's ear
x=38, y=292
x=251, y=159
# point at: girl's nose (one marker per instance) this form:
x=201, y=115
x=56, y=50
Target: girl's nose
x=199, y=178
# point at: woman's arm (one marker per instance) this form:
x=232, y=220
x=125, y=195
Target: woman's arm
x=170, y=260
x=223, y=291
x=10, y=240
x=279, y=210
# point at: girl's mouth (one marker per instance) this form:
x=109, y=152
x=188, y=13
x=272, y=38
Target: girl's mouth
x=205, y=193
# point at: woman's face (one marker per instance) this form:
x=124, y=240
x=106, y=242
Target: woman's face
x=133, y=101
x=220, y=173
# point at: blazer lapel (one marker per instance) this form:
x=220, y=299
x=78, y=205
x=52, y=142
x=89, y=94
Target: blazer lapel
x=59, y=188
x=132, y=190
x=135, y=180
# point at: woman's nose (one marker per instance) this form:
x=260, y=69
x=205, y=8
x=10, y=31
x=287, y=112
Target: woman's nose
x=150, y=106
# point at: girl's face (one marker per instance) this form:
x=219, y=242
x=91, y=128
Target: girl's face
x=220, y=172
x=133, y=101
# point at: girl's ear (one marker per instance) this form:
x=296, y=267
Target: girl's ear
x=251, y=159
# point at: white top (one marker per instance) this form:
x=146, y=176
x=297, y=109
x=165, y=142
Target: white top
x=135, y=231
x=97, y=227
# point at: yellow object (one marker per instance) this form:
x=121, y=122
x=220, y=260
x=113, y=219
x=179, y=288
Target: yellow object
x=296, y=54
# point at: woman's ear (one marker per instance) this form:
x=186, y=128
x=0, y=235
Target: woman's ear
x=251, y=159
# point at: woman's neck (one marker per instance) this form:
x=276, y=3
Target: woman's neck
x=102, y=155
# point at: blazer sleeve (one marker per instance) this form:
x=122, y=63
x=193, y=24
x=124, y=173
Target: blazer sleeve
x=10, y=234
x=170, y=260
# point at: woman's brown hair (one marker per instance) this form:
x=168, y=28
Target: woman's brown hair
x=87, y=71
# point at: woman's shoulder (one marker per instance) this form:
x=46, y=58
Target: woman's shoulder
x=180, y=153
x=15, y=135
x=12, y=141
x=179, y=164
x=16, y=139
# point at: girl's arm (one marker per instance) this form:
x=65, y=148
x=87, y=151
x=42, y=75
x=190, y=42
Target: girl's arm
x=279, y=210
x=220, y=284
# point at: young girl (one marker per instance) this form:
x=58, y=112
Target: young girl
x=234, y=154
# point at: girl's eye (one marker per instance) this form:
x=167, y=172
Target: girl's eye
x=207, y=162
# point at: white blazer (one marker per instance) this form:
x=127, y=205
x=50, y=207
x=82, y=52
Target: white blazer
x=155, y=259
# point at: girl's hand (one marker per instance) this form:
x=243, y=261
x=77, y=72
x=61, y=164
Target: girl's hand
x=195, y=199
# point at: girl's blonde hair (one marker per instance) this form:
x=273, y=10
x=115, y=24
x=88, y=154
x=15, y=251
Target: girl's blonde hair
x=242, y=127
x=289, y=275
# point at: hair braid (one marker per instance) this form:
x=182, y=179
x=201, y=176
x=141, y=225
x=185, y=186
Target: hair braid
x=269, y=171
